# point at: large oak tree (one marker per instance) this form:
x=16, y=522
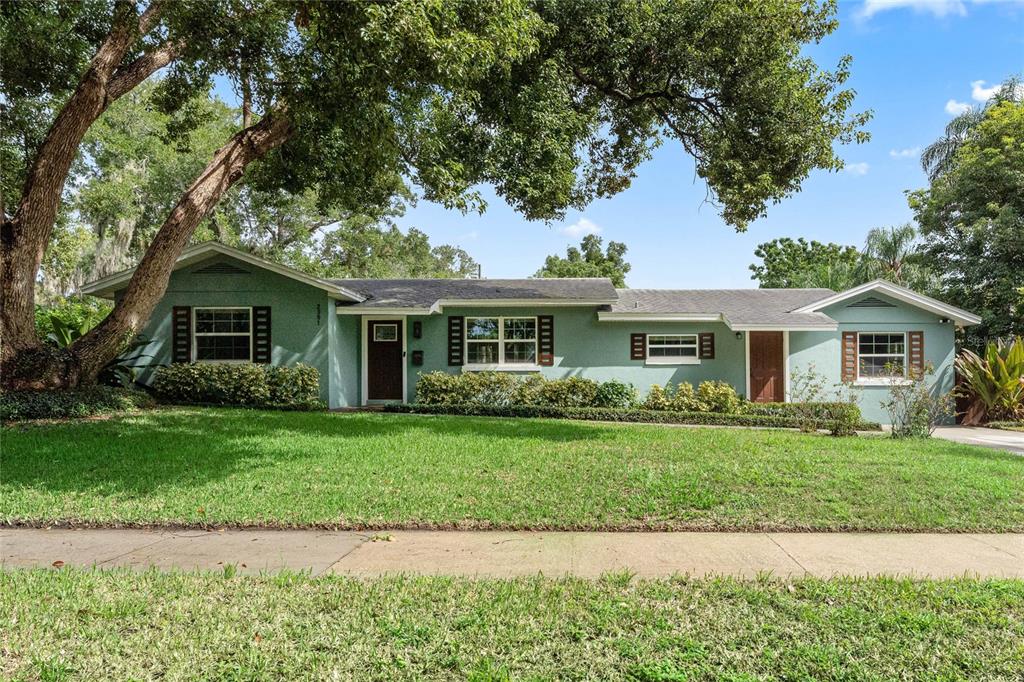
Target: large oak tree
x=553, y=103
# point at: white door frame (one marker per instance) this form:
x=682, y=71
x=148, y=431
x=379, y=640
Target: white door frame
x=365, y=337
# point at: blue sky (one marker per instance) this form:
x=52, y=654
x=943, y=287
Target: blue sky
x=911, y=58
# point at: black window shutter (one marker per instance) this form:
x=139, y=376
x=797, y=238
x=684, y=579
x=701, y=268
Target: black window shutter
x=546, y=340
x=261, y=340
x=181, y=333
x=707, y=345
x=456, y=326
x=638, y=346
x=915, y=343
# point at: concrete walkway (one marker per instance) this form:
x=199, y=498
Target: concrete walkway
x=508, y=554
x=1010, y=441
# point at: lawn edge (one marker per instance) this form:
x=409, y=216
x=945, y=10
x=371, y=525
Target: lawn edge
x=637, y=527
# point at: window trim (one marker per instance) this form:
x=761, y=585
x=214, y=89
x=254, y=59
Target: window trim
x=378, y=325
x=195, y=345
x=675, y=359
x=501, y=365
x=883, y=380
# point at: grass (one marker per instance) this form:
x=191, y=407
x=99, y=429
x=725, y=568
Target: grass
x=74, y=624
x=252, y=468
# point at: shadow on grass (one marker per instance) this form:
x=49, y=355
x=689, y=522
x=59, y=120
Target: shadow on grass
x=138, y=455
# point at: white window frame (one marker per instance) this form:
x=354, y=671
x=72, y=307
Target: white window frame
x=883, y=380
x=195, y=345
x=501, y=365
x=675, y=359
x=378, y=325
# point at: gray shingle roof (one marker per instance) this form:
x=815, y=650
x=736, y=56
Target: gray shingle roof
x=423, y=293
x=739, y=306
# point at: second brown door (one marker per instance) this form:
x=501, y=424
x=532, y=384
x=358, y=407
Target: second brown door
x=767, y=375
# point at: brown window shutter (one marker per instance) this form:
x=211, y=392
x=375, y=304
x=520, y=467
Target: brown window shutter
x=181, y=333
x=849, y=367
x=262, y=348
x=638, y=346
x=915, y=341
x=456, y=329
x=546, y=340
x=706, y=344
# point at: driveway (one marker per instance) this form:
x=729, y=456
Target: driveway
x=1010, y=441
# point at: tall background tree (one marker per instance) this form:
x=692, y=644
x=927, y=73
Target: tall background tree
x=589, y=261
x=972, y=219
x=553, y=103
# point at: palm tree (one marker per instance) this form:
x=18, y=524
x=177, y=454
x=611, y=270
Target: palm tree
x=937, y=157
x=894, y=254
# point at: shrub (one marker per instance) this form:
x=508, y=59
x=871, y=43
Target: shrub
x=570, y=392
x=80, y=402
x=914, y=408
x=684, y=399
x=528, y=390
x=219, y=383
x=609, y=414
x=718, y=396
x=811, y=414
x=997, y=379
x=615, y=394
x=658, y=398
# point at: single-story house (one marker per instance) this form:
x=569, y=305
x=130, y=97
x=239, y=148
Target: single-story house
x=370, y=338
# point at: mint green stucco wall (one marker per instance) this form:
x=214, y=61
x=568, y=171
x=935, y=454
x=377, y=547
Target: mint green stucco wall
x=296, y=333
x=823, y=349
x=591, y=349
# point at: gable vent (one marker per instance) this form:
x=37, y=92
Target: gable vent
x=870, y=302
x=220, y=269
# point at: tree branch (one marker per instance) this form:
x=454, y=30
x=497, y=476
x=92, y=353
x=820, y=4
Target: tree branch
x=129, y=76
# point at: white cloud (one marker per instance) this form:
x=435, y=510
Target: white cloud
x=908, y=153
x=580, y=228
x=859, y=168
x=954, y=108
x=938, y=8
x=979, y=93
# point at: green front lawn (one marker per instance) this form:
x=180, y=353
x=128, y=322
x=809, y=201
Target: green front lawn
x=224, y=466
x=117, y=625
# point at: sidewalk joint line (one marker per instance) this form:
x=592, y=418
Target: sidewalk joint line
x=365, y=538
x=991, y=546
x=162, y=538
x=786, y=552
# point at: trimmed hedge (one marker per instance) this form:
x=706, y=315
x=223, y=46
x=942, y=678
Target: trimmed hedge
x=824, y=410
x=88, y=401
x=220, y=383
x=1007, y=426
x=612, y=414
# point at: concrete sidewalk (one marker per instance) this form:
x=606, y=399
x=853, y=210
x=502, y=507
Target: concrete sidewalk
x=508, y=554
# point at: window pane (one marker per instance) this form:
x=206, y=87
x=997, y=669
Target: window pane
x=222, y=347
x=871, y=344
x=520, y=351
x=385, y=332
x=482, y=328
x=521, y=328
x=672, y=352
x=881, y=366
x=672, y=340
x=485, y=353
x=224, y=321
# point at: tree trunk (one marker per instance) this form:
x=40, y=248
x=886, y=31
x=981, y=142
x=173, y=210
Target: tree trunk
x=149, y=281
x=26, y=234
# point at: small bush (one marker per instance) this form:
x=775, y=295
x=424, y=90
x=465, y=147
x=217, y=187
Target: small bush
x=570, y=392
x=718, y=396
x=221, y=383
x=615, y=394
x=914, y=408
x=80, y=402
x=659, y=397
x=684, y=398
x=818, y=411
x=611, y=414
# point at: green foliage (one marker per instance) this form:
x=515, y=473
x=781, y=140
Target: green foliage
x=503, y=388
x=914, y=407
x=972, y=220
x=718, y=396
x=659, y=397
x=788, y=263
x=615, y=394
x=997, y=379
x=611, y=414
x=80, y=402
x=589, y=261
x=81, y=313
x=710, y=396
x=893, y=254
x=213, y=383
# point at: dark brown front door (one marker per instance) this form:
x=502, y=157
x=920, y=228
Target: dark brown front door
x=767, y=379
x=384, y=360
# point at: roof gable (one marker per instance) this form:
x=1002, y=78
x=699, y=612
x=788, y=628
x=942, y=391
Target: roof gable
x=108, y=286
x=908, y=296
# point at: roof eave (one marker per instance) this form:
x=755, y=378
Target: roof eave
x=960, y=316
